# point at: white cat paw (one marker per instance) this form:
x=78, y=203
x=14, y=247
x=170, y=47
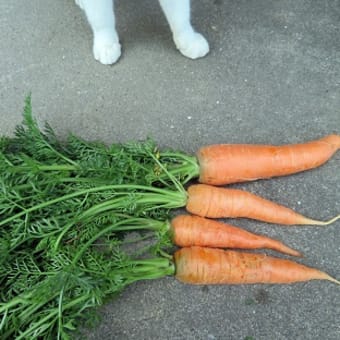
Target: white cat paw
x=106, y=52
x=80, y=3
x=192, y=45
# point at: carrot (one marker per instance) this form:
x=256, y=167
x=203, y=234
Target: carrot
x=198, y=231
x=209, y=201
x=227, y=163
x=200, y=265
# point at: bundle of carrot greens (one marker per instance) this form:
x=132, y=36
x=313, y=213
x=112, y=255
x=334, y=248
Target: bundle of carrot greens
x=66, y=208
x=79, y=221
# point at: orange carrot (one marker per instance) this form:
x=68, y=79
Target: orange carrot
x=230, y=163
x=198, y=231
x=200, y=265
x=209, y=201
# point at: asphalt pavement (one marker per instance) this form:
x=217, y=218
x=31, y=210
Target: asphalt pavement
x=272, y=76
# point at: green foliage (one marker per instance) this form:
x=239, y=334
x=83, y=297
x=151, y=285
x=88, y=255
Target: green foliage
x=65, y=209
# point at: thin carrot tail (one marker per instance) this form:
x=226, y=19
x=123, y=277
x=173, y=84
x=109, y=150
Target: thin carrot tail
x=321, y=223
x=282, y=248
x=332, y=279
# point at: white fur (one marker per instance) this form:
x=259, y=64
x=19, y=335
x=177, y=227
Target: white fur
x=106, y=47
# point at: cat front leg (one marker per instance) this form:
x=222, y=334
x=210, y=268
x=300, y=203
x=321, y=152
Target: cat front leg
x=189, y=42
x=100, y=15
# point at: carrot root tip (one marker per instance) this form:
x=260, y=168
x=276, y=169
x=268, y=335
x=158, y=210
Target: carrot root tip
x=332, y=279
x=322, y=223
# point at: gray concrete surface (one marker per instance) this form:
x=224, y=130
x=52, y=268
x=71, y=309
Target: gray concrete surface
x=272, y=76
